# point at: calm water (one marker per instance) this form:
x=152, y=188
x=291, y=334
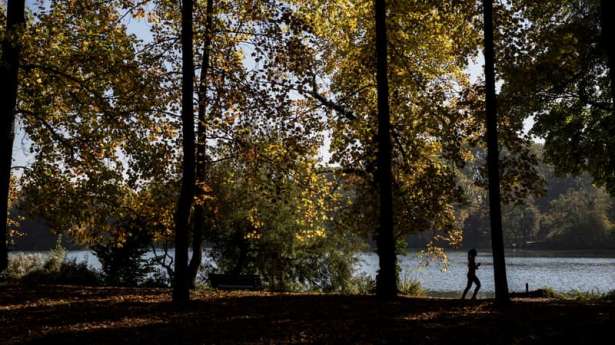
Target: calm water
x=560, y=271
x=538, y=269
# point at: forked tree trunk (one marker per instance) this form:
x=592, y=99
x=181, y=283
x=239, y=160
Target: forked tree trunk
x=386, y=283
x=198, y=218
x=181, y=292
x=495, y=211
x=9, y=67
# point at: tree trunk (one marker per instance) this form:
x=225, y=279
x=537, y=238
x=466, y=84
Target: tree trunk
x=606, y=15
x=181, y=292
x=386, y=283
x=8, y=100
x=497, y=240
x=198, y=219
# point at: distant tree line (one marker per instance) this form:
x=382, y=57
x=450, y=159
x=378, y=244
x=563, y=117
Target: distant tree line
x=571, y=213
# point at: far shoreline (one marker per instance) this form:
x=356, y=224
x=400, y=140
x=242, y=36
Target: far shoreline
x=411, y=252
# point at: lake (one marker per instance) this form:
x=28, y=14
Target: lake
x=562, y=271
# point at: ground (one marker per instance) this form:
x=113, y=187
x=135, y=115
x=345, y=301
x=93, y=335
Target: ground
x=78, y=315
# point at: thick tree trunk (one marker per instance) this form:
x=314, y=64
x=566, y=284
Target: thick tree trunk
x=181, y=292
x=606, y=15
x=497, y=240
x=386, y=283
x=8, y=99
x=198, y=218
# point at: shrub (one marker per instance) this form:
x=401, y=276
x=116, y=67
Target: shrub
x=158, y=278
x=121, y=255
x=328, y=273
x=362, y=284
x=551, y=293
x=51, y=269
x=410, y=287
x=69, y=272
x=578, y=295
x=78, y=273
x=337, y=272
x=56, y=257
x=22, y=264
x=583, y=295
x=609, y=296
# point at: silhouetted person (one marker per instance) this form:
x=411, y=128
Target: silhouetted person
x=472, y=278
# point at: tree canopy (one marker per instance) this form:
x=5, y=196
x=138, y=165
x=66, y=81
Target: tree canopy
x=281, y=98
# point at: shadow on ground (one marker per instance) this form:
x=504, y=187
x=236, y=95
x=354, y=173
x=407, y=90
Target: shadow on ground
x=83, y=316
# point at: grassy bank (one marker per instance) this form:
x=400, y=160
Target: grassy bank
x=76, y=315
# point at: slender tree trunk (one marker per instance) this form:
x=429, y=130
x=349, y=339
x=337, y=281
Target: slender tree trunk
x=386, y=284
x=181, y=292
x=497, y=240
x=198, y=218
x=8, y=101
x=606, y=17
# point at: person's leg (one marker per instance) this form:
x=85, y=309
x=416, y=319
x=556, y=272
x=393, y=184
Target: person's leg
x=467, y=288
x=477, y=282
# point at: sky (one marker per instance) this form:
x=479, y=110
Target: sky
x=140, y=27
